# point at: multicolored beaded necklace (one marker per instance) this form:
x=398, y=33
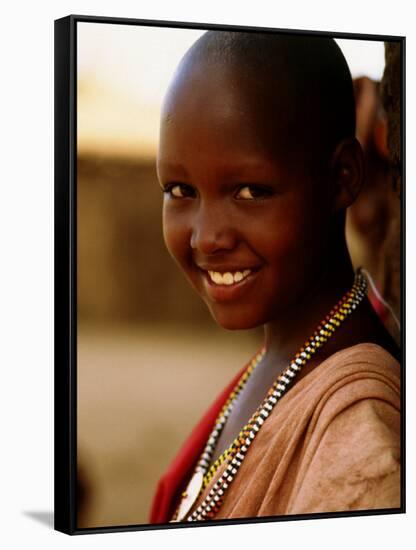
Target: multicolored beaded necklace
x=237, y=451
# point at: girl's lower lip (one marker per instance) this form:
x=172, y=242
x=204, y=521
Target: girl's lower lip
x=224, y=293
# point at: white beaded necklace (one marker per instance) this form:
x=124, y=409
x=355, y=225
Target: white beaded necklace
x=237, y=451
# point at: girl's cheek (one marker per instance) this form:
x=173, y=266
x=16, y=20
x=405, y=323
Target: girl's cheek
x=175, y=237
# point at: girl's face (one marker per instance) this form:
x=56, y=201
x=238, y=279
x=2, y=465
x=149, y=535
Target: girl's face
x=242, y=215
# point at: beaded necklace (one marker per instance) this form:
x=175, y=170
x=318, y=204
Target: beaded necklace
x=236, y=452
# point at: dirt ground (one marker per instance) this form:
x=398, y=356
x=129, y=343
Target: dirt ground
x=140, y=392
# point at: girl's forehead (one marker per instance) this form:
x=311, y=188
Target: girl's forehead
x=230, y=108
x=228, y=86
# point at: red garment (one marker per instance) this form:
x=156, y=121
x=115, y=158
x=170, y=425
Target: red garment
x=378, y=306
x=181, y=468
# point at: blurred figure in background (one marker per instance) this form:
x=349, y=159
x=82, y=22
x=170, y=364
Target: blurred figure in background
x=370, y=218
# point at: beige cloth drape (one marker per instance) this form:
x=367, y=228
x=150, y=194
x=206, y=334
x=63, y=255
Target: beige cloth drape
x=332, y=443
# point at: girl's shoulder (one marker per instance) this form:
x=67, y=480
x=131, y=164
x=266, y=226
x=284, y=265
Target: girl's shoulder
x=365, y=352
x=362, y=361
x=356, y=386
x=351, y=445
x=364, y=375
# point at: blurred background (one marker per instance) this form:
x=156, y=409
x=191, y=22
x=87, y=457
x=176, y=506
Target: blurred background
x=150, y=357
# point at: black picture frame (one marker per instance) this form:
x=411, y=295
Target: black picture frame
x=65, y=337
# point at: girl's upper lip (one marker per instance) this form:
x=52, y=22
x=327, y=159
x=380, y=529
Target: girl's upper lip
x=227, y=268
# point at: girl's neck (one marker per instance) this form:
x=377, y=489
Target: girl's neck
x=286, y=335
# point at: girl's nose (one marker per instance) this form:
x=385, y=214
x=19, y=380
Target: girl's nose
x=212, y=231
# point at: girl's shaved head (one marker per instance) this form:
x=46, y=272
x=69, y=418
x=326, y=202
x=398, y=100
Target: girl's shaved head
x=301, y=80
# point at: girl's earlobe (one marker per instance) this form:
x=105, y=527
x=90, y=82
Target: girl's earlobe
x=347, y=170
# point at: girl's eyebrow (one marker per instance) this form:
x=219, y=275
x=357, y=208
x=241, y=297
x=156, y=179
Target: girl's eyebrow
x=228, y=170
x=251, y=170
x=241, y=169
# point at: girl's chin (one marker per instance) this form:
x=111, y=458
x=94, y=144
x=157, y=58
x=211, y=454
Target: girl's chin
x=233, y=322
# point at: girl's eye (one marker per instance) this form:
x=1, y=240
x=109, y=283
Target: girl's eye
x=252, y=192
x=179, y=190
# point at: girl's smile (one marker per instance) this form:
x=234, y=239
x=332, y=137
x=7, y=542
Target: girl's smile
x=228, y=285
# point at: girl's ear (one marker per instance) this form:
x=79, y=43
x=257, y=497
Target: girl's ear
x=347, y=173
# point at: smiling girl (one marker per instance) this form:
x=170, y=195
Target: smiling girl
x=258, y=163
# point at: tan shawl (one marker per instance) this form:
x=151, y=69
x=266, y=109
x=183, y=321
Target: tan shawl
x=332, y=443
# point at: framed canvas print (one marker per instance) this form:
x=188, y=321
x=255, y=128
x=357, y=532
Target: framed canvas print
x=229, y=282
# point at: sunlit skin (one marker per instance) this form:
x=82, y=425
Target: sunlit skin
x=240, y=192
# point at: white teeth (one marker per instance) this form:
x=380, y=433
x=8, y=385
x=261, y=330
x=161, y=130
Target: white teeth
x=216, y=277
x=228, y=278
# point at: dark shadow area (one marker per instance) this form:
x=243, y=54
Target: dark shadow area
x=46, y=518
